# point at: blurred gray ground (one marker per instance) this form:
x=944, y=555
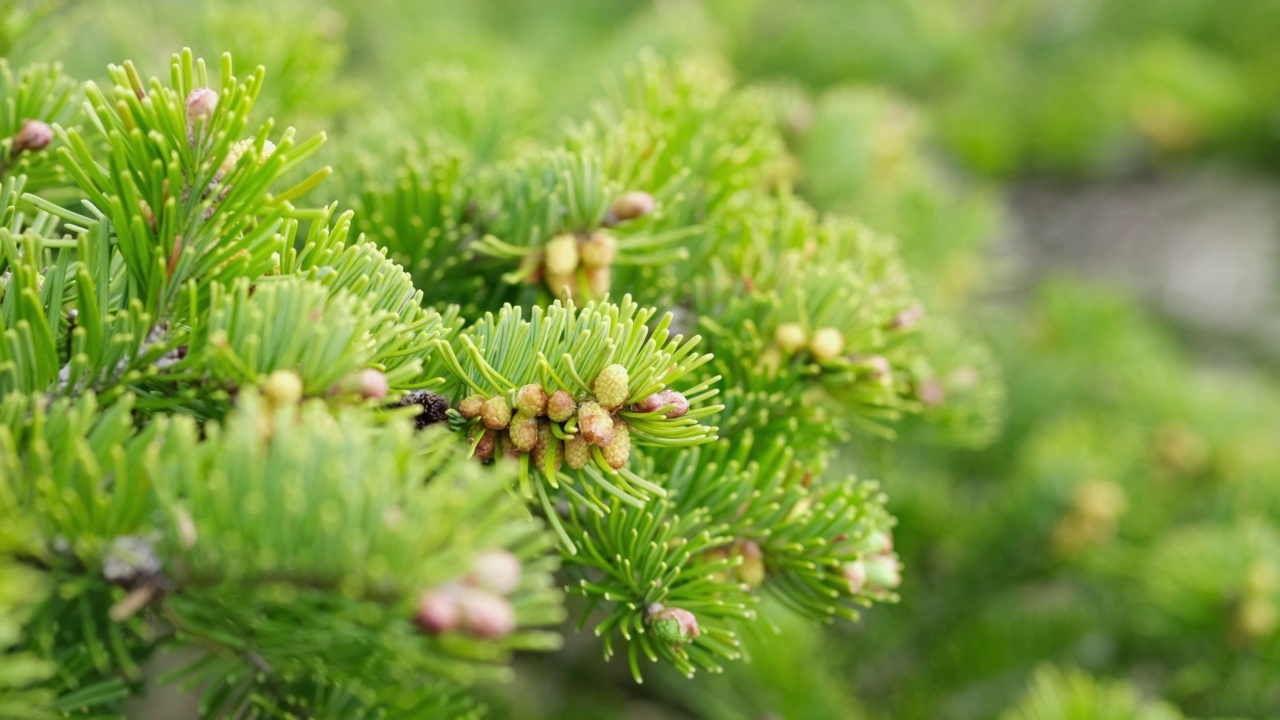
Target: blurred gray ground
x=1202, y=248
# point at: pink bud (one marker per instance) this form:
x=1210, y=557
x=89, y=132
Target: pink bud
x=907, y=319
x=932, y=393
x=497, y=571
x=486, y=615
x=201, y=103
x=855, y=573
x=373, y=384
x=674, y=625
x=679, y=404
x=34, y=135
x=649, y=404
x=437, y=611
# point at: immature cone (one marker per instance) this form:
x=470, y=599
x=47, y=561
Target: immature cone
x=562, y=285
x=751, y=572
x=471, y=406
x=548, y=447
x=595, y=425
x=827, y=344
x=631, y=205
x=790, y=338
x=878, y=542
x=878, y=368
x=487, y=445
x=484, y=614
x=674, y=625
x=33, y=135
x=599, y=280
x=531, y=400
x=855, y=573
x=599, y=250
x=577, y=453
x=496, y=413
x=283, y=388
x=201, y=103
x=560, y=406
x=496, y=571
x=618, y=450
x=438, y=611
x=611, y=388
x=907, y=319
x=883, y=572
x=932, y=392
x=370, y=384
x=524, y=431
x=561, y=255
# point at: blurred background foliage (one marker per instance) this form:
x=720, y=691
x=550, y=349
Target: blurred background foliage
x=1113, y=553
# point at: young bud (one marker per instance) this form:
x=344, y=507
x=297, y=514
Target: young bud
x=471, y=406
x=562, y=285
x=599, y=280
x=577, y=453
x=496, y=571
x=610, y=387
x=827, y=344
x=878, y=368
x=883, y=572
x=648, y=404
x=368, y=383
x=907, y=319
x=931, y=392
x=496, y=413
x=438, y=611
x=752, y=571
x=790, y=338
x=878, y=542
x=595, y=425
x=201, y=103
x=717, y=554
x=599, y=250
x=484, y=614
x=674, y=625
x=560, y=406
x=631, y=205
x=524, y=431
x=487, y=445
x=33, y=135
x=531, y=400
x=855, y=573
x=679, y=404
x=618, y=451
x=283, y=388
x=561, y=255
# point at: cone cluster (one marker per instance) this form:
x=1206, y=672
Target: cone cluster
x=877, y=571
x=591, y=254
x=477, y=603
x=526, y=427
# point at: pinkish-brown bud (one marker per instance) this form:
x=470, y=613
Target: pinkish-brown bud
x=484, y=614
x=201, y=103
x=631, y=205
x=34, y=135
x=497, y=571
x=438, y=611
